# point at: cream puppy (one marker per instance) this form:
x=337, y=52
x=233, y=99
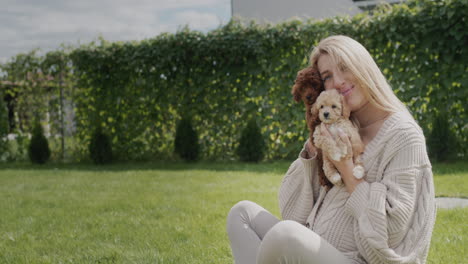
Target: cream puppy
x=334, y=113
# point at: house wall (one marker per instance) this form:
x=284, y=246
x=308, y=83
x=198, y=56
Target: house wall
x=276, y=11
x=280, y=10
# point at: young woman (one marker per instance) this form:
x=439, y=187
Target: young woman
x=386, y=217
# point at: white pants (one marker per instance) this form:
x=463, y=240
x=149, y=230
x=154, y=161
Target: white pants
x=257, y=236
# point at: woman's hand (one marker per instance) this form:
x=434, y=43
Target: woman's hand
x=311, y=150
x=344, y=166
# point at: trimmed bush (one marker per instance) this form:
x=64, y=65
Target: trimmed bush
x=100, y=149
x=442, y=142
x=38, y=150
x=186, y=141
x=251, y=144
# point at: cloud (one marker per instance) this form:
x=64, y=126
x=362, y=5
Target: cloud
x=45, y=24
x=197, y=20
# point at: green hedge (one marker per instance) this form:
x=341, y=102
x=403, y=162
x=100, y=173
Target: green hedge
x=3, y=129
x=138, y=91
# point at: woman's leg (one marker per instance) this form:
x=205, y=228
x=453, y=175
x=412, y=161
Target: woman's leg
x=247, y=224
x=290, y=242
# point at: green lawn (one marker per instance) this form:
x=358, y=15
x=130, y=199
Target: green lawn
x=159, y=213
x=450, y=180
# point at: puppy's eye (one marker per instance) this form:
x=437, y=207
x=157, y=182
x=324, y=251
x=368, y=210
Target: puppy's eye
x=333, y=106
x=308, y=97
x=321, y=106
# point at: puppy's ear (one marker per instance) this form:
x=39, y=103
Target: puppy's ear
x=314, y=111
x=296, y=93
x=345, y=111
x=298, y=86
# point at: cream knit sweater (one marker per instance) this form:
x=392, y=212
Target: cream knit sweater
x=388, y=218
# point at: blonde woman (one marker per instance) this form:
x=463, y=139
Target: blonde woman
x=386, y=217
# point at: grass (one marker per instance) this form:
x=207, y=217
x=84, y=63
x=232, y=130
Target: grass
x=450, y=179
x=159, y=213
x=449, y=241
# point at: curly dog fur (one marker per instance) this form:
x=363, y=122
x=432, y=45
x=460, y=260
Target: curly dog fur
x=334, y=112
x=307, y=88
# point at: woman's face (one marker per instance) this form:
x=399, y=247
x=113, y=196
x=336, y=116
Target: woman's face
x=342, y=80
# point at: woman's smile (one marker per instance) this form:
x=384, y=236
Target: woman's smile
x=347, y=91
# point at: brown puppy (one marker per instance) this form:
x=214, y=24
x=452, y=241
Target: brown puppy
x=307, y=88
x=333, y=111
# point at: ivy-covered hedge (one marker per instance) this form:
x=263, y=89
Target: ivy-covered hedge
x=138, y=91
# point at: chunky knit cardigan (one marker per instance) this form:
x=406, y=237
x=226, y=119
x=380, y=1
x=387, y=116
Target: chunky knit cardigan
x=389, y=217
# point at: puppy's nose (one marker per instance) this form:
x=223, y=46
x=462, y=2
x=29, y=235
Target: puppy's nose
x=326, y=114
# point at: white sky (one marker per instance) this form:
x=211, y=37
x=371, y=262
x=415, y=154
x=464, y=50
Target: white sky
x=45, y=24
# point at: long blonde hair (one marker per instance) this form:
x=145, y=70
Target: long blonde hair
x=349, y=54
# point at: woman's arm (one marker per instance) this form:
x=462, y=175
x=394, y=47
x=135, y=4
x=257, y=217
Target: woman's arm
x=299, y=187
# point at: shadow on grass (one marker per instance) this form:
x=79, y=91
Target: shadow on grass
x=262, y=167
x=439, y=169
x=446, y=168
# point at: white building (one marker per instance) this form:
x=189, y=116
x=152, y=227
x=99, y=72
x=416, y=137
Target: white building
x=275, y=11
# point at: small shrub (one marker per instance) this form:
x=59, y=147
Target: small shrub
x=442, y=141
x=38, y=150
x=186, y=141
x=251, y=144
x=100, y=148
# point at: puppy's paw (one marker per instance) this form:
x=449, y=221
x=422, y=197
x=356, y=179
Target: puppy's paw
x=358, y=171
x=337, y=154
x=336, y=179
